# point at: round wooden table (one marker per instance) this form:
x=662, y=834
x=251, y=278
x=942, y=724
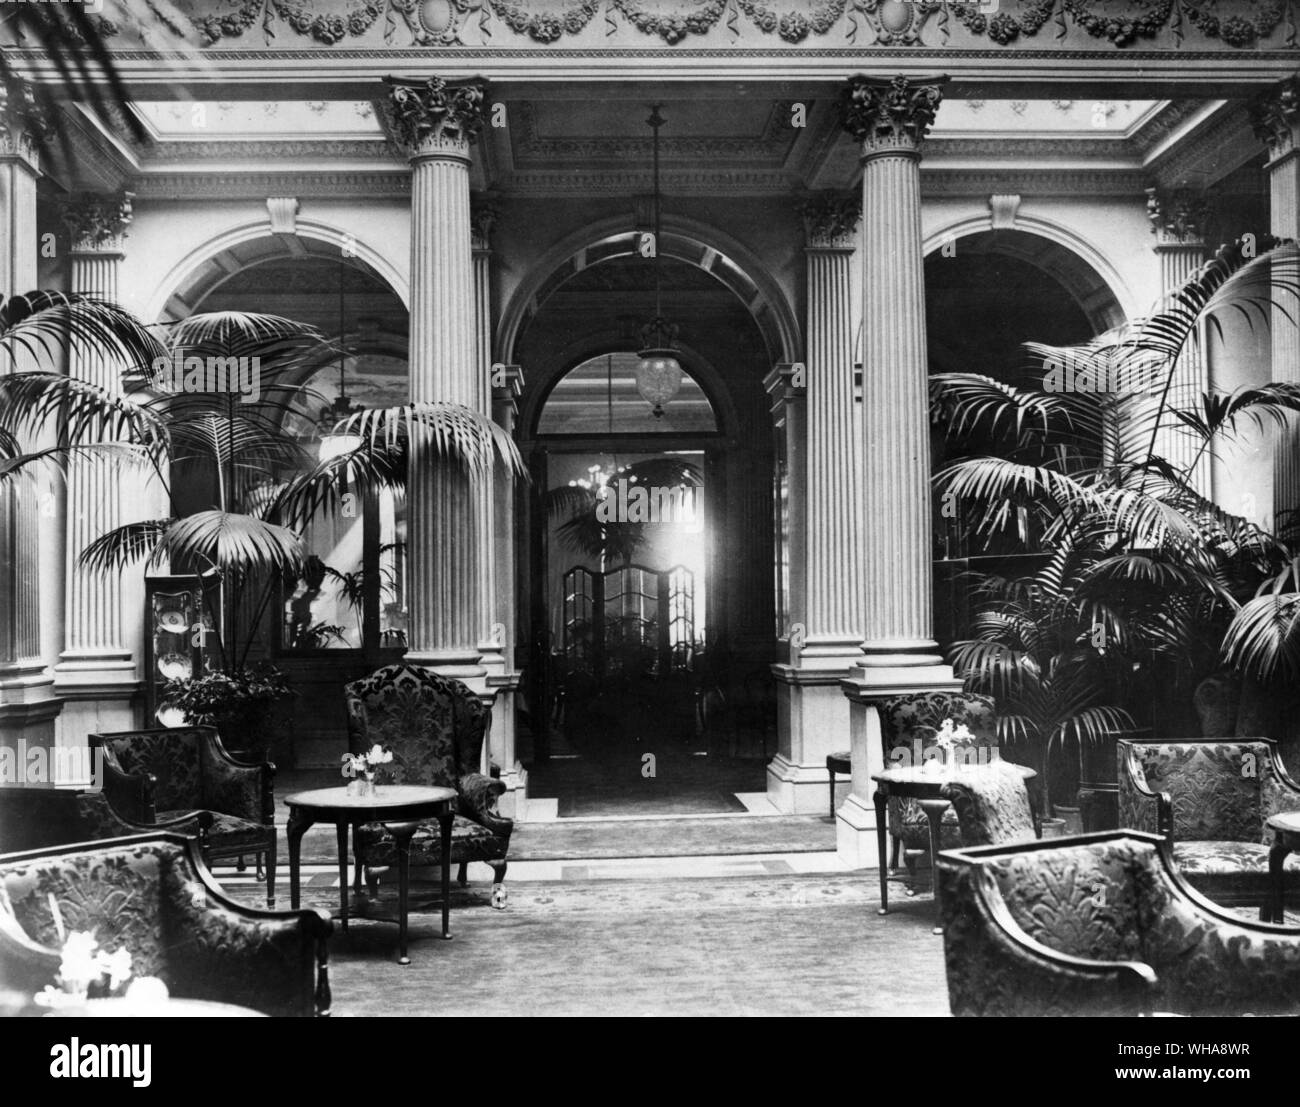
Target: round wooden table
x=924, y=786
x=1286, y=839
x=399, y=807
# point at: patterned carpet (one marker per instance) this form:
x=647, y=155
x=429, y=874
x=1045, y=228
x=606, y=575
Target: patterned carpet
x=796, y=945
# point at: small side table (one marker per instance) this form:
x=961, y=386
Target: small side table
x=401, y=808
x=926, y=788
x=1286, y=839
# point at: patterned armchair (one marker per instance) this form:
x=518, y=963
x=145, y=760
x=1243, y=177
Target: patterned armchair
x=191, y=771
x=1102, y=924
x=911, y=722
x=435, y=728
x=1211, y=799
x=992, y=805
x=153, y=895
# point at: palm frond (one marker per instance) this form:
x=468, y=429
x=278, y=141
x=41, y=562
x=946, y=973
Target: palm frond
x=124, y=545
x=43, y=325
x=453, y=431
x=1264, y=637
x=234, y=543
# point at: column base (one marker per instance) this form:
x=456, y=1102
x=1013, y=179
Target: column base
x=96, y=700
x=855, y=834
x=813, y=722
x=462, y=665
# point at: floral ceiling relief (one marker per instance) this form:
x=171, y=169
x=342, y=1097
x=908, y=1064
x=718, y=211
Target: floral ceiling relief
x=1027, y=24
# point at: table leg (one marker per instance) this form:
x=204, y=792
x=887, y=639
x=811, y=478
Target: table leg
x=341, y=830
x=444, y=824
x=1274, y=908
x=934, y=809
x=402, y=834
x=882, y=817
x=297, y=827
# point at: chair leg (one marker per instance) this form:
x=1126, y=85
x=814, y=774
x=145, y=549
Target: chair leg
x=498, y=892
x=260, y=872
x=832, y=786
x=270, y=875
x=356, y=876
x=372, y=881
x=462, y=875
x=239, y=864
x=893, y=862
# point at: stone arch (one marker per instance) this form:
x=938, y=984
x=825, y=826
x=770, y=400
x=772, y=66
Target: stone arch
x=700, y=368
x=1097, y=286
x=684, y=240
x=215, y=261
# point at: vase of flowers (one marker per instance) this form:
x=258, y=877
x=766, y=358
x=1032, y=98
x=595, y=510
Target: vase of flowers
x=953, y=740
x=362, y=769
x=85, y=969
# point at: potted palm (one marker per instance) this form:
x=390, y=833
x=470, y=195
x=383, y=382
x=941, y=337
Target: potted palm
x=1144, y=582
x=240, y=489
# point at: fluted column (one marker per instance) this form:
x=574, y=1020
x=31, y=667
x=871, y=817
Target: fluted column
x=1178, y=220
x=834, y=478
x=824, y=436
x=96, y=671
x=28, y=706
x=507, y=386
x=1276, y=119
x=890, y=120
x=436, y=123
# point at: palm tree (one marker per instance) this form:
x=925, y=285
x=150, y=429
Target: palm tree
x=263, y=487
x=1143, y=577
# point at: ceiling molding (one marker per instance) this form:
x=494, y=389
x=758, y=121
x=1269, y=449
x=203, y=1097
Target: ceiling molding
x=259, y=185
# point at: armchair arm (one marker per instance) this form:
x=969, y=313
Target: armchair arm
x=273, y=961
x=100, y=819
x=1137, y=800
x=995, y=968
x=129, y=794
x=478, y=796
x=234, y=787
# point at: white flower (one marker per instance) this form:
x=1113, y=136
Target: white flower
x=378, y=755
x=116, y=966
x=78, y=965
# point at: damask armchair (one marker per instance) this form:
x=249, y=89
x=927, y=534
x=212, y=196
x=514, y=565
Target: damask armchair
x=911, y=723
x=1102, y=924
x=1211, y=799
x=154, y=896
x=435, y=728
x=190, y=771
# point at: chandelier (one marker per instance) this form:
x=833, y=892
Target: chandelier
x=658, y=373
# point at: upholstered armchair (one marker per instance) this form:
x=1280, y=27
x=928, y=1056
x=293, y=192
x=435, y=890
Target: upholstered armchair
x=992, y=805
x=1102, y=924
x=911, y=722
x=191, y=771
x=153, y=895
x=1211, y=799
x=435, y=728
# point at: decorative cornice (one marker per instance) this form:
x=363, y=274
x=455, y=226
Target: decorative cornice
x=433, y=117
x=830, y=220
x=937, y=182
x=443, y=25
x=1275, y=116
x=1177, y=218
x=98, y=224
x=890, y=116
x=24, y=121
x=257, y=186
x=227, y=150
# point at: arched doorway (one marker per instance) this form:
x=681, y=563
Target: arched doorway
x=637, y=624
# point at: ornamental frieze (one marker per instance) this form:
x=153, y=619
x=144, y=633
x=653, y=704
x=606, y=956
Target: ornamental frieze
x=977, y=24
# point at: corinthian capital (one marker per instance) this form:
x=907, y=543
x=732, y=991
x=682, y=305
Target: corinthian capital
x=1275, y=116
x=430, y=117
x=482, y=215
x=23, y=120
x=1177, y=218
x=830, y=220
x=98, y=223
x=890, y=115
